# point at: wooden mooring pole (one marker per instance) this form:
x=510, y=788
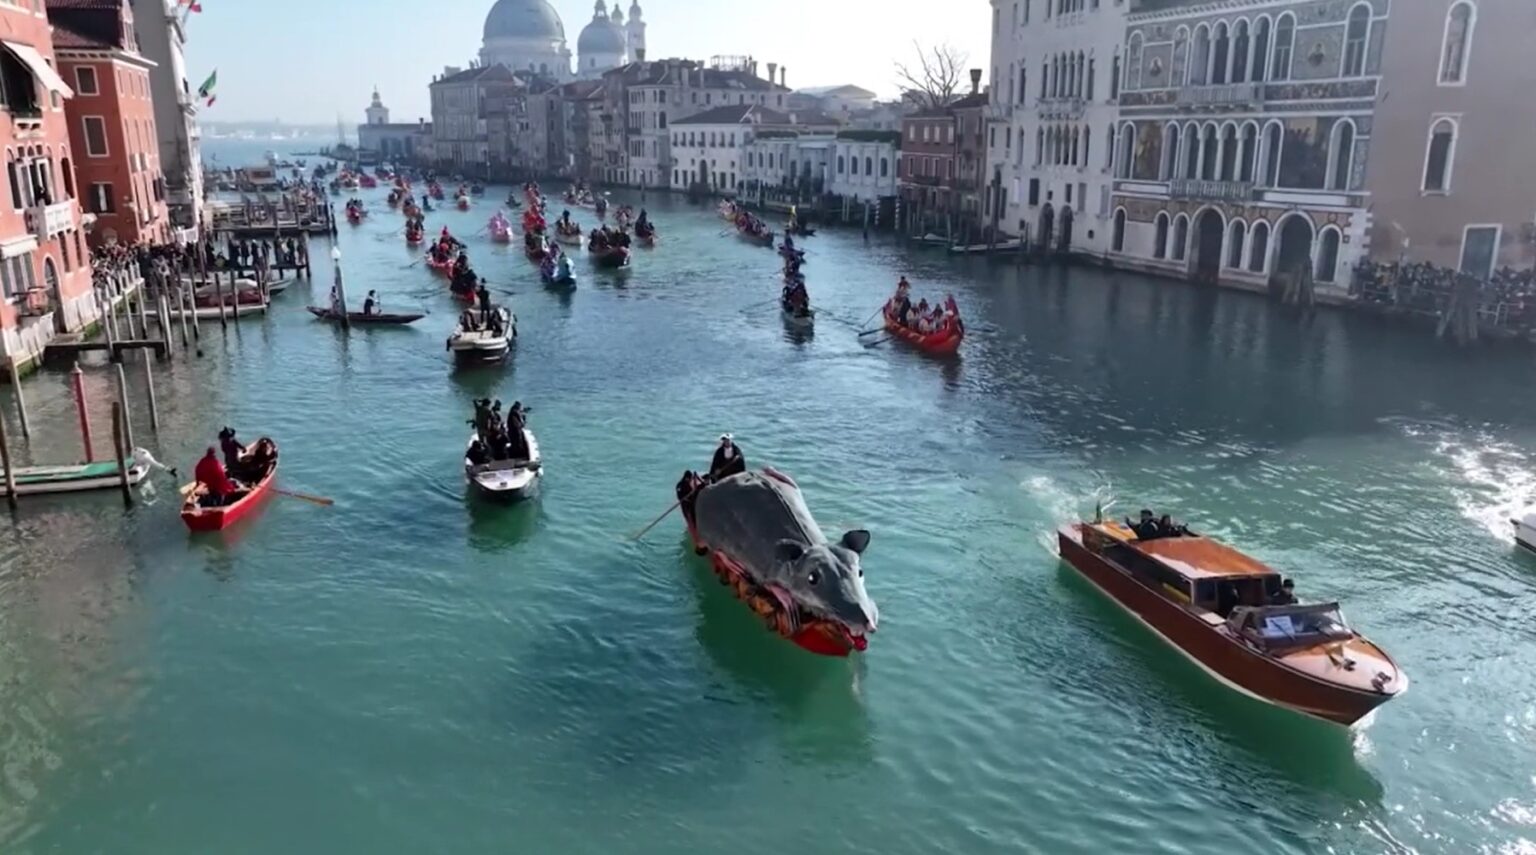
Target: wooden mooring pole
x=122, y=455
x=77, y=379
x=21, y=402
x=5, y=461
x=122, y=401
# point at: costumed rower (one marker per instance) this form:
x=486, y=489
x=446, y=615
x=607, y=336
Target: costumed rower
x=728, y=460
x=211, y=476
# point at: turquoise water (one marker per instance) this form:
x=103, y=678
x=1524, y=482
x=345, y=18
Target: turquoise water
x=412, y=671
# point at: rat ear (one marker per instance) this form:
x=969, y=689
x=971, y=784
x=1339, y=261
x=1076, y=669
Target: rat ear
x=788, y=550
x=856, y=540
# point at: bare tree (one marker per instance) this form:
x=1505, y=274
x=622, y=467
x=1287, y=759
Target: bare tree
x=935, y=80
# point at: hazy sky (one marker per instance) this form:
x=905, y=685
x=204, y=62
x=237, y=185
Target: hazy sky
x=307, y=60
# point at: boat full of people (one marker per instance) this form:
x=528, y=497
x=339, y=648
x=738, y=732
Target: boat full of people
x=608, y=248
x=415, y=232
x=556, y=269
x=535, y=246
x=645, y=230
x=227, y=491
x=751, y=228
x=355, y=211
x=764, y=544
x=500, y=228
x=935, y=329
x=502, y=461
x=483, y=335
x=568, y=231
x=1236, y=618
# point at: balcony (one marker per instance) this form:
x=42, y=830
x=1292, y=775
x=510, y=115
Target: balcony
x=1227, y=95
x=1219, y=191
x=45, y=221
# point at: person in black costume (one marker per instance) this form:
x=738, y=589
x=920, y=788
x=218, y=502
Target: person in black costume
x=728, y=460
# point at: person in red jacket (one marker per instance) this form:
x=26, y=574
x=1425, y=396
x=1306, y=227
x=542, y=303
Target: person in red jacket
x=210, y=475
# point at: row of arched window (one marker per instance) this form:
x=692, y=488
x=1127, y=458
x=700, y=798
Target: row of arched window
x=1246, y=247
x=1226, y=152
x=30, y=173
x=869, y=166
x=1242, y=51
x=1063, y=145
x=1066, y=75
x=712, y=139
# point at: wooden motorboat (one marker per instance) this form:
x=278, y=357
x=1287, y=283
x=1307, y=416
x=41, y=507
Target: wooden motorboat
x=484, y=343
x=199, y=518
x=381, y=318
x=944, y=342
x=1223, y=611
x=1525, y=530
x=506, y=480
x=77, y=477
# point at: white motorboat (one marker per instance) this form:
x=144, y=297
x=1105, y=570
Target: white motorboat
x=484, y=342
x=506, y=480
x=1525, y=530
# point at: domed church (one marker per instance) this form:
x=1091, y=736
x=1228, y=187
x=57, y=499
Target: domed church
x=528, y=35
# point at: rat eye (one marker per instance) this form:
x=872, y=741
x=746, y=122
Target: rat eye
x=813, y=577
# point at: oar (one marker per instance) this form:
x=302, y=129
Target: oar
x=319, y=500
x=866, y=321
x=664, y=514
x=869, y=344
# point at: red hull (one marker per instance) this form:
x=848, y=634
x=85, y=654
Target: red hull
x=218, y=519
x=942, y=343
x=823, y=638
x=1216, y=652
x=445, y=268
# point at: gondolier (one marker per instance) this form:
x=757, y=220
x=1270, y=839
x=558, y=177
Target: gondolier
x=728, y=460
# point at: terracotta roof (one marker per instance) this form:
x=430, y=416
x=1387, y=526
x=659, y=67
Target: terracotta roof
x=737, y=114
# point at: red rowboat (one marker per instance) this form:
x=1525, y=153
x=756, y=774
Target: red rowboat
x=943, y=342
x=443, y=267
x=199, y=518
x=1229, y=615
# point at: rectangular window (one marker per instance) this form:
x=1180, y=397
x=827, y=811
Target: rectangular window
x=95, y=136
x=1479, y=250
x=1082, y=193
x=9, y=288
x=1034, y=192
x=101, y=198
x=85, y=80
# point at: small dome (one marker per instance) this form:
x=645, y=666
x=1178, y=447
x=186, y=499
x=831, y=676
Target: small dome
x=523, y=19
x=601, y=36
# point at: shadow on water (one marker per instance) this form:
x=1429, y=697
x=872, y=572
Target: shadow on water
x=494, y=526
x=817, y=699
x=1314, y=755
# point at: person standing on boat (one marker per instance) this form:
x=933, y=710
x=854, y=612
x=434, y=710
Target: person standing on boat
x=211, y=476
x=233, y=449
x=371, y=303
x=728, y=460
x=483, y=294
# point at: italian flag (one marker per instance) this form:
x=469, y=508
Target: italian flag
x=206, y=90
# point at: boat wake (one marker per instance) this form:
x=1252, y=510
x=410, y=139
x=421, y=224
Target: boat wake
x=1491, y=481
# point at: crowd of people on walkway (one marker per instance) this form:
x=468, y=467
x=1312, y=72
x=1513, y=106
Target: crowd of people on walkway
x=1507, y=299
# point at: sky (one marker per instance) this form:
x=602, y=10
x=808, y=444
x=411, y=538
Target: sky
x=306, y=61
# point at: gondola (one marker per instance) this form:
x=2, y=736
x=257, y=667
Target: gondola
x=199, y=518
x=799, y=319
x=382, y=318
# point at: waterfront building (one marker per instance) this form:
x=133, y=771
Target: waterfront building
x=865, y=165
x=581, y=110
x=943, y=152
x=1450, y=179
x=1055, y=72
x=378, y=139
x=711, y=146
x=642, y=99
x=111, y=120
x=786, y=166
x=467, y=106
x=1241, y=150
x=162, y=39
x=45, y=269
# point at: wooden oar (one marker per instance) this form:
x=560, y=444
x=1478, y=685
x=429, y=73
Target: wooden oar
x=319, y=500
x=664, y=514
x=868, y=319
x=869, y=344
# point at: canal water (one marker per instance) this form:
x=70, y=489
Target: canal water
x=413, y=671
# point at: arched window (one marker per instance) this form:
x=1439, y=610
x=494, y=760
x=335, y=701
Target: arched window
x=1260, y=50
x=853, y=165
x=1285, y=43
x=1039, y=146
x=1236, y=232
x=1328, y=256
x=1438, y=159
x=839, y=164
x=1458, y=43
x=1160, y=240
x=1087, y=133
x=1258, y=247
x=1180, y=237
x=869, y=165
x=1341, y=155
x=1210, y=153
x=1240, y=44
x=1127, y=150
x=1272, y=141
x=1221, y=49
x=1133, y=63
x=1023, y=89
x=1180, y=66
x=1200, y=57
x=50, y=276
x=1191, y=151
x=885, y=167
x=69, y=178
x=1109, y=147
x=1170, y=152
x=1117, y=239
x=1356, y=35
x=1078, y=74
x=1250, y=152
x=1229, y=152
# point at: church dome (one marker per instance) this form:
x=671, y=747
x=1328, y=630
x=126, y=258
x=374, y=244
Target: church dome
x=601, y=36
x=523, y=19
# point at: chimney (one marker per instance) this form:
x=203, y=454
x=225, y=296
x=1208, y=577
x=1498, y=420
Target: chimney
x=975, y=80
x=773, y=70
x=783, y=76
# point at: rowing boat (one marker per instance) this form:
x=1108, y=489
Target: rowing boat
x=382, y=318
x=942, y=342
x=802, y=319
x=77, y=477
x=199, y=518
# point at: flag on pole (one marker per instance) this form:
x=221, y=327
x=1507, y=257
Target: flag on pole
x=206, y=90
x=191, y=5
